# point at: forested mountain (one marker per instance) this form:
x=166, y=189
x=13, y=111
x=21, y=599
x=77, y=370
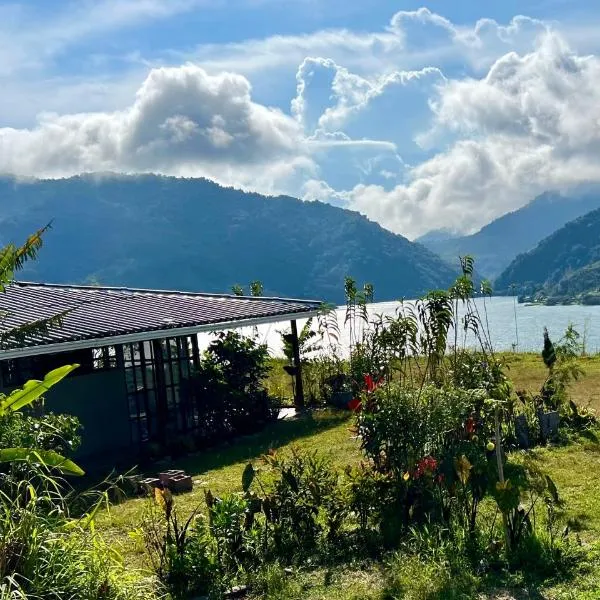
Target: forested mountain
x=191, y=234
x=564, y=265
x=499, y=242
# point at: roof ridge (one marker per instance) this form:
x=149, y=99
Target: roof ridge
x=67, y=286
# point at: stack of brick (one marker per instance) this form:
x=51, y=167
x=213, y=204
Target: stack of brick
x=175, y=480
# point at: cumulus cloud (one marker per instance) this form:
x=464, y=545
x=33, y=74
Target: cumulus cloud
x=531, y=124
x=182, y=120
x=421, y=124
x=329, y=96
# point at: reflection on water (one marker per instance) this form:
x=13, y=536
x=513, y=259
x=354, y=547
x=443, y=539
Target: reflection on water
x=529, y=326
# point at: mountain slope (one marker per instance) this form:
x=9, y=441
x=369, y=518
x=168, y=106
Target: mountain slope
x=564, y=263
x=499, y=242
x=191, y=234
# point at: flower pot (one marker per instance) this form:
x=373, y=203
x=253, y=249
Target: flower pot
x=341, y=399
x=522, y=431
x=549, y=423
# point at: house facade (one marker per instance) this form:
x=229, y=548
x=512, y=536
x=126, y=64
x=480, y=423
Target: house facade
x=135, y=349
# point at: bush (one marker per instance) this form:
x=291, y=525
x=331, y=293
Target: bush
x=59, y=433
x=227, y=391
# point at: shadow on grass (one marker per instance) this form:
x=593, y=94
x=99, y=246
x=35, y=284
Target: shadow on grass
x=253, y=446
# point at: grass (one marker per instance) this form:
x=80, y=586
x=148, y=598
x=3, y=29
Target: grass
x=220, y=470
x=528, y=372
x=574, y=468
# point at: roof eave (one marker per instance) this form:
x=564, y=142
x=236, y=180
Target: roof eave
x=145, y=336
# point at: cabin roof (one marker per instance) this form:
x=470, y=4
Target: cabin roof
x=103, y=316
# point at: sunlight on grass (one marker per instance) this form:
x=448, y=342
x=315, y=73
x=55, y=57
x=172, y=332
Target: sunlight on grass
x=220, y=469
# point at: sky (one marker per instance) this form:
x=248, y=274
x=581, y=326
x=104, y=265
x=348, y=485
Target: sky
x=444, y=115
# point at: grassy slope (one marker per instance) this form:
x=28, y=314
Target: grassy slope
x=575, y=469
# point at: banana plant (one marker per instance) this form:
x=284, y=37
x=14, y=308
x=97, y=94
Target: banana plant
x=20, y=398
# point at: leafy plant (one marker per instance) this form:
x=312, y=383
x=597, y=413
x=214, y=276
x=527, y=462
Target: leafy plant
x=179, y=551
x=227, y=391
x=23, y=397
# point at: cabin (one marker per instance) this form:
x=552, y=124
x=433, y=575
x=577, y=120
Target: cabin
x=135, y=347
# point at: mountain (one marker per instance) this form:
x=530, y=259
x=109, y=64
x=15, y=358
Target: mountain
x=192, y=234
x=499, y=242
x=563, y=266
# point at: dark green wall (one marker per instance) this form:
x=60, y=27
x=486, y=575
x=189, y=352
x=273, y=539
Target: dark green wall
x=99, y=401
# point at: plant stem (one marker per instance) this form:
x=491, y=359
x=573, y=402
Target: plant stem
x=501, y=474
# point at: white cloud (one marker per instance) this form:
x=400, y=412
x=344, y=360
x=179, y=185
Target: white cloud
x=531, y=124
x=183, y=120
x=412, y=40
x=420, y=124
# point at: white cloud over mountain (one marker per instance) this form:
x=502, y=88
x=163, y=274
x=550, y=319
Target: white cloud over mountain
x=183, y=121
x=420, y=125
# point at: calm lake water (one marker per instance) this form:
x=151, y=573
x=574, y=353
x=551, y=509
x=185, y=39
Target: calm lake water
x=530, y=322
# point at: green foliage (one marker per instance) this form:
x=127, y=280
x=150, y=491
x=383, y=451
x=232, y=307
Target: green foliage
x=45, y=553
x=178, y=550
x=228, y=390
x=35, y=453
x=255, y=288
x=306, y=249
x=60, y=433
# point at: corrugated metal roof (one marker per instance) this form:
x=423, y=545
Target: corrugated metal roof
x=99, y=314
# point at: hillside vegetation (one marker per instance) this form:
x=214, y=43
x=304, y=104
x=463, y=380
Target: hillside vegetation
x=499, y=242
x=192, y=234
x=564, y=266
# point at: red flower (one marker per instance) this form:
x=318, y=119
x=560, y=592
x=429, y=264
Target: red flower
x=355, y=404
x=370, y=383
x=425, y=466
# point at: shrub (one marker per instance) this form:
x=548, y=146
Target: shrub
x=227, y=391
x=59, y=433
x=303, y=504
x=179, y=551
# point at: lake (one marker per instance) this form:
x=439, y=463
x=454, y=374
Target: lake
x=530, y=322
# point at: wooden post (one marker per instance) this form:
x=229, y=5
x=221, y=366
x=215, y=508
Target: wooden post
x=162, y=406
x=299, y=397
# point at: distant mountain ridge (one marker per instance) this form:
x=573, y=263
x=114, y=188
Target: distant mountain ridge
x=563, y=266
x=499, y=242
x=191, y=234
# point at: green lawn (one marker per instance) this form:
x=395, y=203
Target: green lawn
x=575, y=468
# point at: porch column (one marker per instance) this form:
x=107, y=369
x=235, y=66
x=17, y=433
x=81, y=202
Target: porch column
x=299, y=395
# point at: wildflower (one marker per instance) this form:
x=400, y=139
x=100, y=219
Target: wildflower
x=490, y=447
x=406, y=476
x=426, y=465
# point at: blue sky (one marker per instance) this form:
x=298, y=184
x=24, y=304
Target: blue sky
x=420, y=116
